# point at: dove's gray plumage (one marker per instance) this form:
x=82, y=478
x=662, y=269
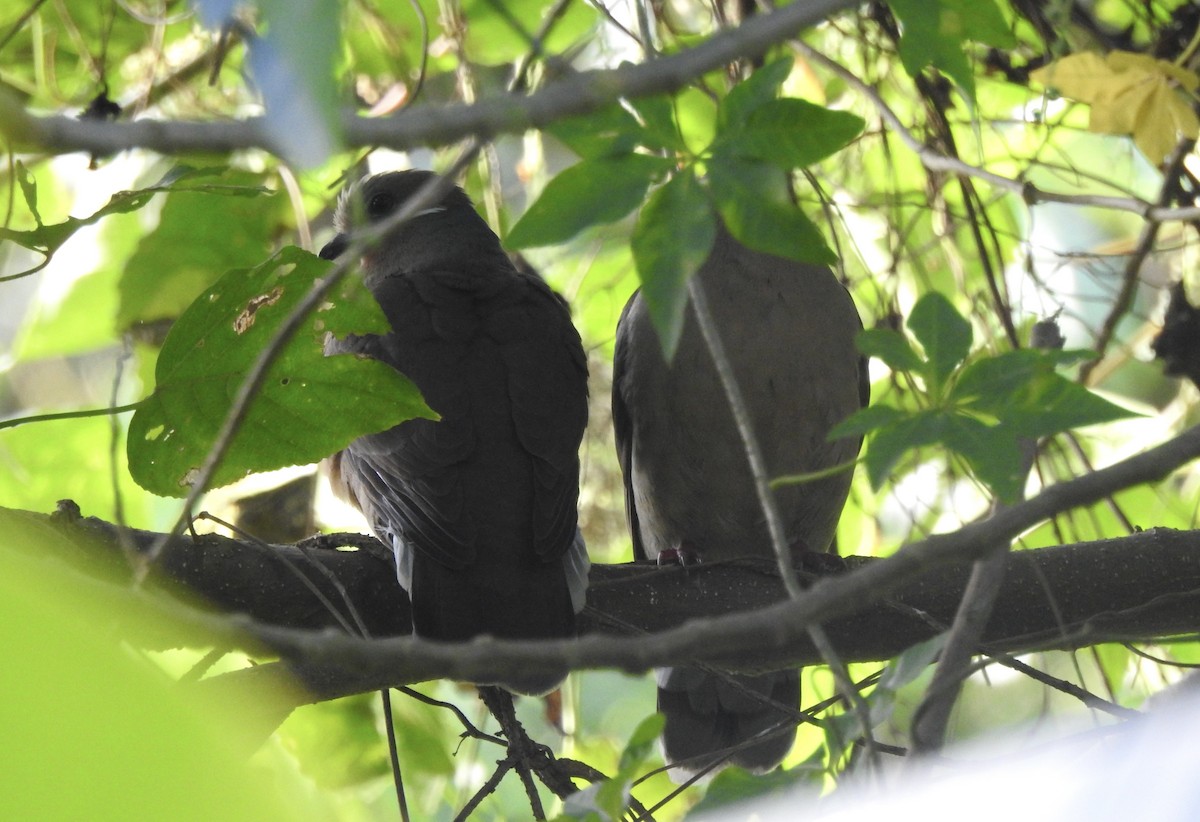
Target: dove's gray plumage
x=480, y=506
x=789, y=332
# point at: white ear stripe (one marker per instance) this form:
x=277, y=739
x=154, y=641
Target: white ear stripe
x=433, y=210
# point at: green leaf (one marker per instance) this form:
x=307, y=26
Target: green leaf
x=659, y=129
x=791, y=133
x=672, y=239
x=202, y=232
x=611, y=797
x=28, y=190
x=935, y=34
x=591, y=192
x=1031, y=399
x=866, y=420
x=890, y=443
x=760, y=87
x=131, y=744
x=310, y=405
x=905, y=669
x=47, y=239
x=752, y=200
x=611, y=131
x=641, y=743
x=943, y=333
x=991, y=383
x=890, y=346
x=992, y=453
x=734, y=786
x=1054, y=404
x=910, y=664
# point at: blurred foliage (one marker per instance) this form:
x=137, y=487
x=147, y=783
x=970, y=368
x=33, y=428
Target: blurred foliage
x=94, y=732
x=104, y=254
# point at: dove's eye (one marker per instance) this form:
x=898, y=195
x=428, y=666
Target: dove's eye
x=381, y=205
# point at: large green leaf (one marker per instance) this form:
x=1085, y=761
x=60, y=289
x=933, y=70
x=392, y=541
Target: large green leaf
x=591, y=192
x=792, y=133
x=310, y=405
x=992, y=452
x=673, y=236
x=887, y=445
x=93, y=731
x=202, y=232
x=660, y=132
x=752, y=199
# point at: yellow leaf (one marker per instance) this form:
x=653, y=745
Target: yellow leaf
x=1119, y=112
x=1162, y=118
x=1130, y=94
x=1078, y=76
x=1120, y=61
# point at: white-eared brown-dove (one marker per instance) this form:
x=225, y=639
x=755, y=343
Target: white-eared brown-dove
x=479, y=506
x=789, y=331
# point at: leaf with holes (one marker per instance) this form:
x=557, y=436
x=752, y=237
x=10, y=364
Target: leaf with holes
x=309, y=406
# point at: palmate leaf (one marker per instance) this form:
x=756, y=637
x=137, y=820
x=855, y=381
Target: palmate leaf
x=980, y=411
x=310, y=405
x=943, y=333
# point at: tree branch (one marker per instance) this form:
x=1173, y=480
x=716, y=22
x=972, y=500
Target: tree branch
x=431, y=125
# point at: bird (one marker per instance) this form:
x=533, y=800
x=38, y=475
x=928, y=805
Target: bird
x=480, y=507
x=789, y=329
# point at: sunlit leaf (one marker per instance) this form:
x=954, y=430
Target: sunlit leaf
x=202, y=232
x=129, y=745
x=310, y=405
x=47, y=239
x=1129, y=94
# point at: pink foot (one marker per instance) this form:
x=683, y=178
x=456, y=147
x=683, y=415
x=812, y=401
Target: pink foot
x=683, y=555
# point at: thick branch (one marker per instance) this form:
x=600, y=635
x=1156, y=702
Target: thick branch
x=1139, y=587
x=432, y=125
